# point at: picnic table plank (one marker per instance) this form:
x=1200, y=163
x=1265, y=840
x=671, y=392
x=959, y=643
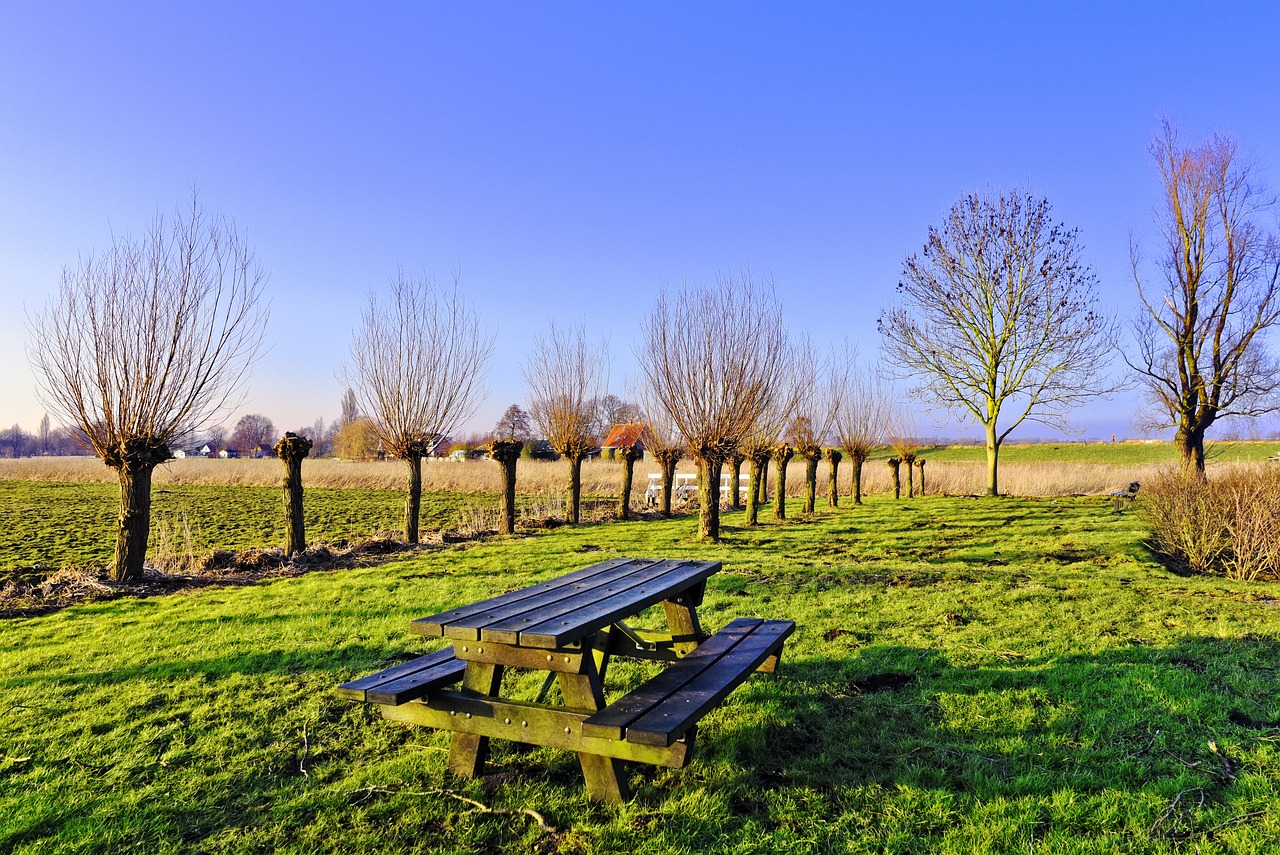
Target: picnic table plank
x=668, y=721
x=462, y=617
x=612, y=721
x=406, y=681
x=571, y=619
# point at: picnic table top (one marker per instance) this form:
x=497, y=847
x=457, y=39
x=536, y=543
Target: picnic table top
x=561, y=612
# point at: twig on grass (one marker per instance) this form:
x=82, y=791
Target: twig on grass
x=306, y=748
x=1238, y=818
x=368, y=792
x=1173, y=806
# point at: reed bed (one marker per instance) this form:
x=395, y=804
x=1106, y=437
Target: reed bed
x=599, y=478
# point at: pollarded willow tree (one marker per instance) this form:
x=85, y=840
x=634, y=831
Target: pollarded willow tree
x=145, y=344
x=711, y=356
x=999, y=319
x=814, y=411
x=1202, y=350
x=417, y=364
x=567, y=375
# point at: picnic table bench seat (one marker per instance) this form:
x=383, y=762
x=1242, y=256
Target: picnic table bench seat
x=407, y=681
x=663, y=709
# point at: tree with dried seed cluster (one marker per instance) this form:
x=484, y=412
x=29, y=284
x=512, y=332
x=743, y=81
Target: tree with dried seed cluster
x=999, y=319
x=417, y=364
x=711, y=356
x=1202, y=349
x=567, y=375
x=145, y=344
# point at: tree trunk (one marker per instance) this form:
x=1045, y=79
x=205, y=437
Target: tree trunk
x=782, y=455
x=753, y=491
x=1190, y=445
x=292, y=450
x=413, y=501
x=709, y=498
x=833, y=489
x=993, y=461
x=628, y=454
x=858, y=460
x=507, y=453
x=735, y=480
x=763, y=485
x=920, y=466
x=811, y=481
x=575, y=489
x=134, y=463
x=668, y=460
x=894, y=463
x=911, y=479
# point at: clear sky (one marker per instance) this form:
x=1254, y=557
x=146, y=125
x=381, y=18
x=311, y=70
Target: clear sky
x=568, y=159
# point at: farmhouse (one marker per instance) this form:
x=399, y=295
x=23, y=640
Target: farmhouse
x=622, y=435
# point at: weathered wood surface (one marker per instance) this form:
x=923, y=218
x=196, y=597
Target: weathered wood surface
x=661, y=710
x=565, y=611
x=407, y=681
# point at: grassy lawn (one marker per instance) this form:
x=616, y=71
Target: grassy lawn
x=967, y=675
x=1119, y=454
x=74, y=524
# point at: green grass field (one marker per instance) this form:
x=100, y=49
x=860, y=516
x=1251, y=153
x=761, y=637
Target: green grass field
x=968, y=675
x=55, y=525
x=1118, y=454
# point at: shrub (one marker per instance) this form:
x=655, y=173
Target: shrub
x=1226, y=525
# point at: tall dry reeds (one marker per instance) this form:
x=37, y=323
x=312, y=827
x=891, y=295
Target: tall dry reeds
x=1228, y=524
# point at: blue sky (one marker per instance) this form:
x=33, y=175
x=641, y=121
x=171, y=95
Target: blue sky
x=568, y=159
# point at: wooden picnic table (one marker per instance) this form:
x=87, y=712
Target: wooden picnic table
x=570, y=627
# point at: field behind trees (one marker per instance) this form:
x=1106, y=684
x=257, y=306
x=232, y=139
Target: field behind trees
x=58, y=511
x=968, y=675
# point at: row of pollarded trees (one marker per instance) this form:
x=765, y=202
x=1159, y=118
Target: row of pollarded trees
x=999, y=321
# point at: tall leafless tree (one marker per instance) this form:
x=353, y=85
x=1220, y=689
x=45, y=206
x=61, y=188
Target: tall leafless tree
x=813, y=413
x=253, y=432
x=712, y=355
x=1202, y=349
x=862, y=413
x=417, y=364
x=146, y=343
x=662, y=442
x=566, y=374
x=999, y=319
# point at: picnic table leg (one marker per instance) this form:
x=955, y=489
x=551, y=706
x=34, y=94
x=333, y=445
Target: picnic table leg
x=606, y=776
x=467, y=751
x=686, y=632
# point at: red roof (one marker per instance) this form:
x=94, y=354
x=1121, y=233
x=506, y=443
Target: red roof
x=628, y=434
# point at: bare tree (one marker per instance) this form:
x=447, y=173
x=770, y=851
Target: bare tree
x=1202, y=350
x=762, y=439
x=566, y=374
x=814, y=411
x=999, y=319
x=662, y=441
x=146, y=343
x=417, y=364
x=609, y=410
x=513, y=425
x=712, y=355
x=350, y=409
x=253, y=433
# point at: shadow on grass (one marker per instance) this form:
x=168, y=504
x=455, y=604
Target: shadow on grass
x=1145, y=723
